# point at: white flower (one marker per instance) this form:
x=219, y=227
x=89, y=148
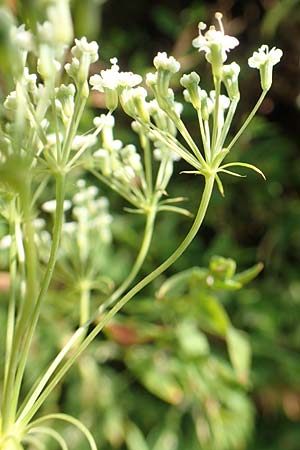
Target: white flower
x=83, y=47
x=5, y=242
x=264, y=56
x=113, y=78
x=22, y=38
x=104, y=120
x=45, y=32
x=80, y=141
x=162, y=61
x=50, y=206
x=215, y=43
x=264, y=60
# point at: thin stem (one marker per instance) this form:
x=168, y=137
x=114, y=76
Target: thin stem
x=115, y=187
x=80, y=102
x=187, y=137
x=41, y=187
x=216, y=128
x=148, y=163
x=144, y=248
x=248, y=120
x=227, y=124
x=58, y=143
x=174, y=144
x=80, y=152
x=205, y=141
x=32, y=406
x=207, y=133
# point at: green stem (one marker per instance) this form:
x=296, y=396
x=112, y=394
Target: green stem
x=85, y=299
x=248, y=120
x=148, y=163
x=148, y=233
x=216, y=130
x=27, y=306
x=60, y=195
x=226, y=126
x=115, y=186
x=205, y=142
x=188, y=138
x=12, y=291
x=33, y=404
x=56, y=128
x=80, y=102
x=80, y=334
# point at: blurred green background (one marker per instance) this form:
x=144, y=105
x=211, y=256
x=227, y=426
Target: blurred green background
x=113, y=389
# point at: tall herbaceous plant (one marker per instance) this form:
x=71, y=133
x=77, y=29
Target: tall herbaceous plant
x=40, y=145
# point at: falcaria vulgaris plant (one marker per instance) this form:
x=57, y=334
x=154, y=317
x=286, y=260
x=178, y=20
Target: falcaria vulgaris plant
x=40, y=145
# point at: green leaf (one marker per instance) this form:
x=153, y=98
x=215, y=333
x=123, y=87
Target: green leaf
x=240, y=353
x=192, y=342
x=179, y=283
x=135, y=439
x=220, y=185
x=213, y=316
x=248, y=166
x=248, y=275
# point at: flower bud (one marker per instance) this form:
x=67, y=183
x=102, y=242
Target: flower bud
x=191, y=83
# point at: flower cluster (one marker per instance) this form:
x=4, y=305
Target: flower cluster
x=110, y=81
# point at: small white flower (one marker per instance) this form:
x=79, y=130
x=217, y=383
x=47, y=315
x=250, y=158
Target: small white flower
x=83, y=47
x=162, y=61
x=264, y=60
x=22, y=38
x=39, y=223
x=104, y=120
x=264, y=56
x=214, y=41
x=224, y=101
x=50, y=206
x=87, y=140
x=112, y=78
x=45, y=32
x=151, y=79
x=70, y=227
x=5, y=242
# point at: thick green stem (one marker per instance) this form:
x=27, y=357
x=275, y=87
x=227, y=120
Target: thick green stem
x=34, y=402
